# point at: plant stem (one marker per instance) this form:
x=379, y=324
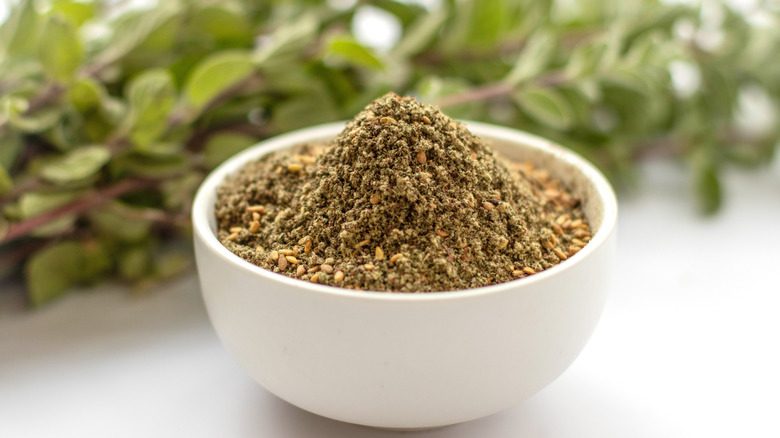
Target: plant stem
x=477, y=94
x=499, y=89
x=25, y=227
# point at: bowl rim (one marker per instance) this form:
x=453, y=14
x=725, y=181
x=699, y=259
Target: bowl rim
x=205, y=196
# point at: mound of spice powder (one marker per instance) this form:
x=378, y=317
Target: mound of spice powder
x=404, y=199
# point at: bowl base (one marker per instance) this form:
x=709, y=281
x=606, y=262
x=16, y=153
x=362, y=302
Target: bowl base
x=405, y=429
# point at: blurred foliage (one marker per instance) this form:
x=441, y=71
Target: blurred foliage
x=109, y=118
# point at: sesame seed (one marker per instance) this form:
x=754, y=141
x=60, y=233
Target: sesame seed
x=254, y=226
x=338, y=276
x=529, y=271
x=236, y=229
x=421, y=158
x=380, y=255
x=395, y=258
x=581, y=233
x=282, y=262
x=369, y=267
x=292, y=260
x=256, y=209
x=295, y=167
x=300, y=271
x=560, y=254
x=488, y=205
x=326, y=268
x=315, y=278
x=375, y=198
x=442, y=233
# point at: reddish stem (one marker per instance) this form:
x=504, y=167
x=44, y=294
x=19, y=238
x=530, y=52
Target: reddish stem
x=477, y=94
x=25, y=227
x=500, y=89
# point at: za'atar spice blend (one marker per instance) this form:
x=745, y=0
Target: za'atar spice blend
x=404, y=199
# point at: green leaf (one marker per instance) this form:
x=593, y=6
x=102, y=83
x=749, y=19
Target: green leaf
x=226, y=24
x=534, y=58
x=61, y=53
x=52, y=271
x=178, y=192
x=289, y=39
x=706, y=183
x=114, y=222
x=587, y=60
x=76, y=165
x=546, y=106
x=10, y=146
x=420, y=34
x=488, y=21
x=34, y=203
x=224, y=145
x=76, y=12
x=6, y=183
x=216, y=74
x=151, y=96
x=97, y=261
x=152, y=166
x=15, y=110
x=172, y=264
x=345, y=48
x=135, y=263
x=301, y=111
x=160, y=149
x=3, y=227
x=405, y=13
x=20, y=34
x=86, y=94
x=133, y=29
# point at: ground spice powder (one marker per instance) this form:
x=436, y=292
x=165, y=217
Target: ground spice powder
x=404, y=199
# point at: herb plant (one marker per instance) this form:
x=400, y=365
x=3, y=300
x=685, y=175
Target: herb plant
x=110, y=118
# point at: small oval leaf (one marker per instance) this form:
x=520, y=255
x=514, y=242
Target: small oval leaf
x=546, y=106
x=216, y=74
x=61, y=53
x=76, y=165
x=51, y=271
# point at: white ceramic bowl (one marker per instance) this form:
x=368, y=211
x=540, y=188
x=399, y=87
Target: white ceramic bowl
x=408, y=361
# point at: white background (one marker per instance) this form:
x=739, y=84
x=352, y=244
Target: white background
x=687, y=346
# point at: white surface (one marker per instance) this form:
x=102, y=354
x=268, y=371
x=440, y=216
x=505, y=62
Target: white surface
x=408, y=360
x=687, y=346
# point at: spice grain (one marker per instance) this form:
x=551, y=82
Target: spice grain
x=404, y=179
